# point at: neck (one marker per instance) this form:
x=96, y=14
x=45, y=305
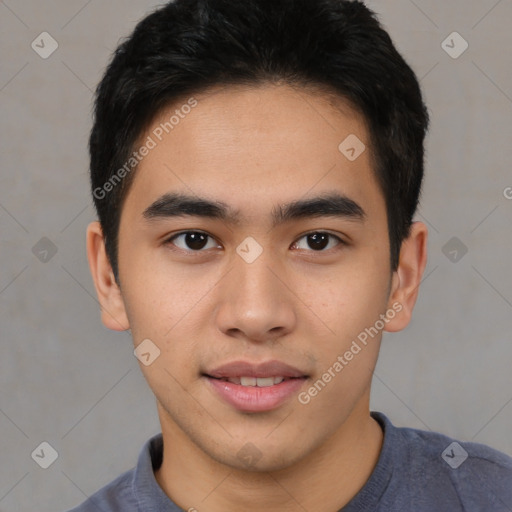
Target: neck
x=326, y=479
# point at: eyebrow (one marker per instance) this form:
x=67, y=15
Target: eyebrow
x=327, y=205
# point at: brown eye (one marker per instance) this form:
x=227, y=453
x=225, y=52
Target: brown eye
x=319, y=240
x=192, y=241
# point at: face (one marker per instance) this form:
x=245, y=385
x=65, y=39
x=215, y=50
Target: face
x=297, y=289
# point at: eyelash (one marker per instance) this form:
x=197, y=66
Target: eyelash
x=169, y=240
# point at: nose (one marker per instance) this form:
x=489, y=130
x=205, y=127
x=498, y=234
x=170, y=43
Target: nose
x=256, y=303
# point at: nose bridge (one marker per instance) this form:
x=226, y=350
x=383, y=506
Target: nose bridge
x=254, y=300
x=254, y=273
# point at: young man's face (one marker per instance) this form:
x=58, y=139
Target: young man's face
x=209, y=301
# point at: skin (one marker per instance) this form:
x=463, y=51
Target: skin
x=254, y=148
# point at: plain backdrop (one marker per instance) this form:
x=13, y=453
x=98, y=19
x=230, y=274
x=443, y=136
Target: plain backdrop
x=68, y=381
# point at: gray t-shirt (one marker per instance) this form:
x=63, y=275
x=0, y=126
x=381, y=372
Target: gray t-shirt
x=416, y=471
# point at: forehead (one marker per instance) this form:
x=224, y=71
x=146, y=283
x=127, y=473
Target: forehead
x=241, y=118
x=249, y=145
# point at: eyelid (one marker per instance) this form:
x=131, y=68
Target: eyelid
x=168, y=240
x=341, y=241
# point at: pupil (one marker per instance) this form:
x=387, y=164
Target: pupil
x=194, y=242
x=320, y=240
x=317, y=241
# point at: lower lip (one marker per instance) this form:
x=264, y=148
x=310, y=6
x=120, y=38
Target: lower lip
x=254, y=398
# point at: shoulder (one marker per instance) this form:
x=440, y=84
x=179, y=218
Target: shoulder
x=452, y=454
x=133, y=490
x=441, y=469
x=116, y=495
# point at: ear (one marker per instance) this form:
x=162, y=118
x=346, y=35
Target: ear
x=407, y=278
x=113, y=312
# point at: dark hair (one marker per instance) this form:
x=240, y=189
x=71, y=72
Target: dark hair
x=188, y=46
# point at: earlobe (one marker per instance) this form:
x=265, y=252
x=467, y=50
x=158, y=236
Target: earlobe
x=113, y=312
x=407, y=277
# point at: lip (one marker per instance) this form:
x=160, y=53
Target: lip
x=245, y=369
x=254, y=398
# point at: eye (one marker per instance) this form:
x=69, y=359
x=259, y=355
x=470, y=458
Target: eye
x=193, y=240
x=196, y=241
x=318, y=240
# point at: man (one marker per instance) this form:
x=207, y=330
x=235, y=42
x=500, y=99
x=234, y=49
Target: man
x=255, y=167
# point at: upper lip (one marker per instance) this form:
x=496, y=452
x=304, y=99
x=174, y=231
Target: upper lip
x=258, y=370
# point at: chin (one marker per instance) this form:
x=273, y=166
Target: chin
x=257, y=458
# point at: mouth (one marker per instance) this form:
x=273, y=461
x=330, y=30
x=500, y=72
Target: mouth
x=255, y=387
x=260, y=382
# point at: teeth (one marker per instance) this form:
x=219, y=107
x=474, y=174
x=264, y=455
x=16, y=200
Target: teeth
x=261, y=382
x=248, y=381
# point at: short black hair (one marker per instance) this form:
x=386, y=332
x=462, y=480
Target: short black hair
x=188, y=46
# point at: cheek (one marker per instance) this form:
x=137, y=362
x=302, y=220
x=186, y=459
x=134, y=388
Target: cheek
x=351, y=299
x=351, y=307
x=159, y=294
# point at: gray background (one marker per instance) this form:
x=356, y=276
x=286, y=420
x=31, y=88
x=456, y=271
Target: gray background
x=67, y=380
